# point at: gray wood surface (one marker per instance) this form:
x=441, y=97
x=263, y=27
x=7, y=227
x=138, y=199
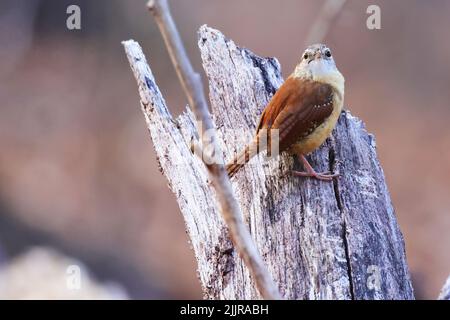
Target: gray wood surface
x=319, y=240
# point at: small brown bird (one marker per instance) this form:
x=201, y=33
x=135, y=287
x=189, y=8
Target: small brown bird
x=305, y=110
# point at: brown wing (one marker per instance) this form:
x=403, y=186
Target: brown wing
x=298, y=107
x=276, y=104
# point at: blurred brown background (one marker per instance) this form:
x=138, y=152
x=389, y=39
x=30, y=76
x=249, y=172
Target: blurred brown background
x=77, y=169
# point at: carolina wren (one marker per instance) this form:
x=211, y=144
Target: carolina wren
x=305, y=110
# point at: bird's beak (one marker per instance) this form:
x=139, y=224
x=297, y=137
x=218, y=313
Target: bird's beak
x=318, y=55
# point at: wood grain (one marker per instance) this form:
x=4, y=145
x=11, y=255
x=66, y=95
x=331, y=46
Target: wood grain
x=319, y=240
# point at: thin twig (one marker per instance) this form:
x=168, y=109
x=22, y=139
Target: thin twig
x=192, y=85
x=328, y=13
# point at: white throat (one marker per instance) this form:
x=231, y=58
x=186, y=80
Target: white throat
x=321, y=71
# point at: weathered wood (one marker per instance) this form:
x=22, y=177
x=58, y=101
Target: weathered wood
x=229, y=207
x=445, y=291
x=320, y=240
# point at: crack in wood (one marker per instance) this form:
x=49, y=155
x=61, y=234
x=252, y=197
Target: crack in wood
x=317, y=239
x=333, y=166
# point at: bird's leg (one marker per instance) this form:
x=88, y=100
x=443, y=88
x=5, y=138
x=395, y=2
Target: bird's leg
x=310, y=172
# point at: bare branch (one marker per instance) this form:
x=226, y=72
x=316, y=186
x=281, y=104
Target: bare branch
x=318, y=240
x=322, y=24
x=230, y=210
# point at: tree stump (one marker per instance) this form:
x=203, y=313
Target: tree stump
x=319, y=240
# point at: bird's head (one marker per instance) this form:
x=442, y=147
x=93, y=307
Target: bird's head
x=316, y=63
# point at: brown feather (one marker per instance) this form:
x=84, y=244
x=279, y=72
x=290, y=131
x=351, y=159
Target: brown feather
x=298, y=107
x=296, y=110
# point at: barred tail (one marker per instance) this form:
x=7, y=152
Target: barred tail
x=241, y=159
x=233, y=168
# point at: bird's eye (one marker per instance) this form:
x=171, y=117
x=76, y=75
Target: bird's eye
x=328, y=53
x=305, y=56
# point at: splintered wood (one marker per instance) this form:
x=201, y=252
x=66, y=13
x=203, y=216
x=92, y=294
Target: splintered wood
x=319, y=240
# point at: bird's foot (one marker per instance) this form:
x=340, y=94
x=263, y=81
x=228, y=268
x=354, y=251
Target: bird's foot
x=310, y=172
